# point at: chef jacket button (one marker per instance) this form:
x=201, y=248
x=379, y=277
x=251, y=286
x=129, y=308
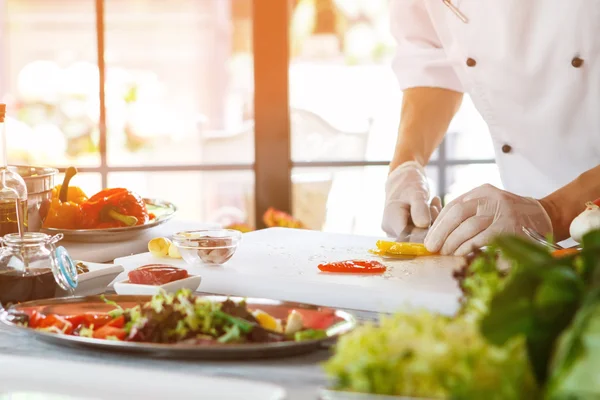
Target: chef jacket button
x=471, y=62
x=507, y=148
x=577, y=62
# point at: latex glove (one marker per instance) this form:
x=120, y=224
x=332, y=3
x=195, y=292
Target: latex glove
x=413, y=235
x=475, y=218
x=407, y=200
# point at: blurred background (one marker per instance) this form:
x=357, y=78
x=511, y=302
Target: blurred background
x=177, y=95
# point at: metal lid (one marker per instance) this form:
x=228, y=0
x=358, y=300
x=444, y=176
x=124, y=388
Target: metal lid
x=37, y=178
x=67, y=268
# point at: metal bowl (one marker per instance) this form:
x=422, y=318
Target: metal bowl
x=39, y=182
x=339, y=322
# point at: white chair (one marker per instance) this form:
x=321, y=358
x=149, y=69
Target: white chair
x=313, y=139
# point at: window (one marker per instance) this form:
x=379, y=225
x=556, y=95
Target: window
x=174, y=100
x=176, y=96
x=345, y=107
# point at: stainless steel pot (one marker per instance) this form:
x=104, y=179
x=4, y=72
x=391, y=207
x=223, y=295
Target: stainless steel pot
x=39, y=181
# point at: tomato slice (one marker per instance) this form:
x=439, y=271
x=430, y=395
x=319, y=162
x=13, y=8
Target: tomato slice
x=597, y=202
x=317, y=319
x=35, y=318
x=110, y=331
x=118, y=322
x=354, y=267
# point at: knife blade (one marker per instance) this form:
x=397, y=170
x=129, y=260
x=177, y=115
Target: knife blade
x=412, y=234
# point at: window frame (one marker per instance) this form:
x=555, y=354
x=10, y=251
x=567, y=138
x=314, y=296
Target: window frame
x=273, y=163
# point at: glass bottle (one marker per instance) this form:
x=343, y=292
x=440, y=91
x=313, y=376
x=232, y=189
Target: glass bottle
x=13, y=191
x=31, y=267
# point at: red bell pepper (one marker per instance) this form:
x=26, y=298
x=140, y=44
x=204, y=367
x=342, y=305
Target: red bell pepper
x=111, y=208
x=87, y=320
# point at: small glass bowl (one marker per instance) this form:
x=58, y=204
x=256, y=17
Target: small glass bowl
x=209, y=247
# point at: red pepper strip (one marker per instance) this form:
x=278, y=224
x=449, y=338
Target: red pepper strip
x=118, y=322
x=110, y=331
x=354, y=267
x=57, y=321
x=87, y=320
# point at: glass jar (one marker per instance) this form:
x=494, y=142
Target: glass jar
x=31, y=267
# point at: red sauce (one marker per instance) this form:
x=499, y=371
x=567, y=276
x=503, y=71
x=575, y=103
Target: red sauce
x=156, y=274
x=354, y=267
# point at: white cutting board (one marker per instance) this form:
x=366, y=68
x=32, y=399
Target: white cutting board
x=280, y=263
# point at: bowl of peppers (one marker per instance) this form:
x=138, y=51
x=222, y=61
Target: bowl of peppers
x=113, y=214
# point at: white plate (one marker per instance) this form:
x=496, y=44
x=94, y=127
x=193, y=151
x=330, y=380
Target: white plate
x=327, y=394
x=124, y=287
x=86, y=381
x=94, y=282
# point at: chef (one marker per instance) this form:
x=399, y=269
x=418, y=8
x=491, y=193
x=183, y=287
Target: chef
x=532, y=69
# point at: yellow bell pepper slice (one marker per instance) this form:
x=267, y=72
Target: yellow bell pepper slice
x=401, y=249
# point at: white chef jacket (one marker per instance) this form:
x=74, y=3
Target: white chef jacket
x=532, y=69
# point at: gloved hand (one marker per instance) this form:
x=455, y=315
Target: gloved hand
x=475, y=218
x=407, y=200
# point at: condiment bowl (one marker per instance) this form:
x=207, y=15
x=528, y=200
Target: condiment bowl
x=207, y=247
x=127, y=288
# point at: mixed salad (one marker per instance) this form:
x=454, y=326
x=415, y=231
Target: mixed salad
x=529, y=331
x=178, y=318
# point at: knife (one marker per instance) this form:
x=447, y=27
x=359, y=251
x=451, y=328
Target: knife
x=412, y=234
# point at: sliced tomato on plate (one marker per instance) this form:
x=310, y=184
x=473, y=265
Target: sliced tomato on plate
x=35, y=318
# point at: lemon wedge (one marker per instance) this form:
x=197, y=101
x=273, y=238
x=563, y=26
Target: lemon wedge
x=267, y=321
x=174, y=251
x=294, y=323
x=159, y=247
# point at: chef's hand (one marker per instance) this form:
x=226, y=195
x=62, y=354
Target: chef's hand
x=407, y=199
x=475, y=218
